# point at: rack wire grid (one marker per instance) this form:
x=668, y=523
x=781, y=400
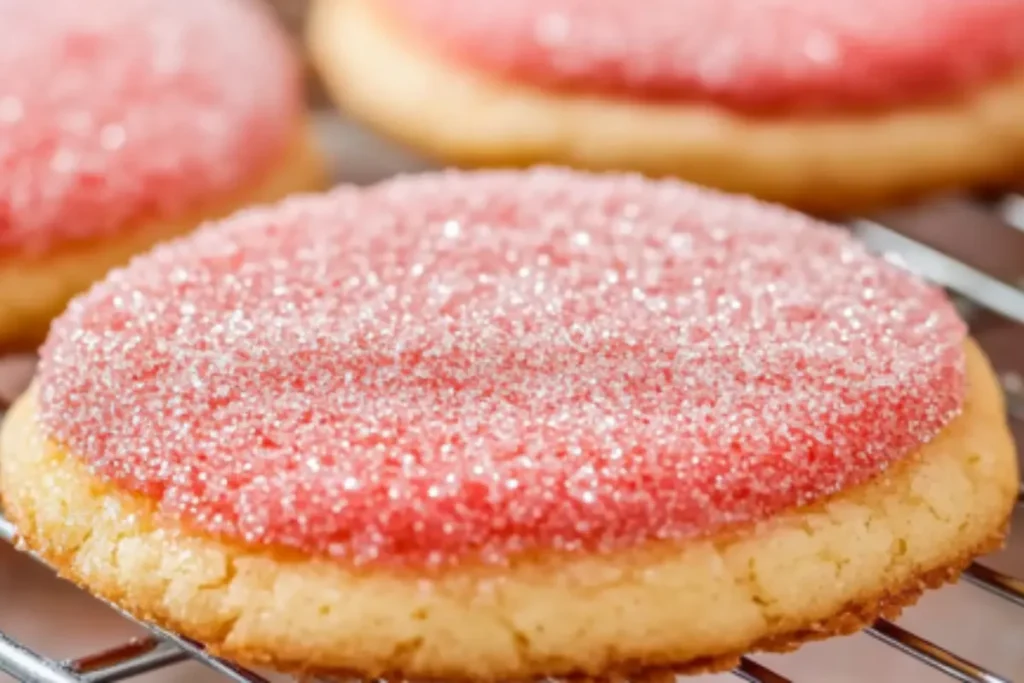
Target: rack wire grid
x=978, y=295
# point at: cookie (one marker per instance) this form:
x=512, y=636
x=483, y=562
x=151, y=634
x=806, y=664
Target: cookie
x=124, y=123
x=506, y=425
x=834, y=108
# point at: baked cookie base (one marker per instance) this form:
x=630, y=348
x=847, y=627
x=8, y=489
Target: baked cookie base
x=34, y=290
x=813, y=572
x=833, y=164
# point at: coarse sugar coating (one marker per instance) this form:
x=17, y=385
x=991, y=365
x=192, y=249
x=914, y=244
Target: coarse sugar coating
x=744, y=54
x=482, y=364
x=110, y=109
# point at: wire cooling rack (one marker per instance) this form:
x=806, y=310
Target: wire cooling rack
x=980, y=296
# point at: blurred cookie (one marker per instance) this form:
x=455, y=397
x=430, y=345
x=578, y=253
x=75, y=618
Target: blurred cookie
x=832, y=107
x=125, y=122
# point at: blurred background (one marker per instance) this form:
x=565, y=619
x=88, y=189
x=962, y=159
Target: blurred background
x=57, y=619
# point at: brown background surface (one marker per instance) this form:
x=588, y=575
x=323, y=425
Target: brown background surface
x=60, y=620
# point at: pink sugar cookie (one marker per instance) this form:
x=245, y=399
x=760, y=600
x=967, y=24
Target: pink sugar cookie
x=510, y=426
x=115, y=108
x=834, y=107
x=481, y=365
x=123, y=122
x=779, y=54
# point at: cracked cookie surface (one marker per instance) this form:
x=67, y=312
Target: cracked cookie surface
x=806, y=573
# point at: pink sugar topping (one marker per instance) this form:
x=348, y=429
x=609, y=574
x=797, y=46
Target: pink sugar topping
x=744, y=54
x=484, y=364
x=112, y=109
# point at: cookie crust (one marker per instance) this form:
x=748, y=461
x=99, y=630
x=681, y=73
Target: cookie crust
x=814, y=572
x=831, y=164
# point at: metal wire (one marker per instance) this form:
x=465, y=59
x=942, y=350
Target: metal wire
x=196, y=651
x=163, y=649
x=134, y=658
x=931, y=654
x=25, y=665
x=945, y=270
x=752, y=672
x=1006, y=587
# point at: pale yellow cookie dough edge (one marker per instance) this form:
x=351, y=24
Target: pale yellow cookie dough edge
x=832, y=165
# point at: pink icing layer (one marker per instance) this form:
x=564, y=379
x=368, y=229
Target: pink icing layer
x=110, y=109
x=485, y=364
x=745, y=54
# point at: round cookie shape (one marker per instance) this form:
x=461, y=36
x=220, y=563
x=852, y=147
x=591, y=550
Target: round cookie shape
x=115, y=109
x=752, y=56
x=456, y=366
